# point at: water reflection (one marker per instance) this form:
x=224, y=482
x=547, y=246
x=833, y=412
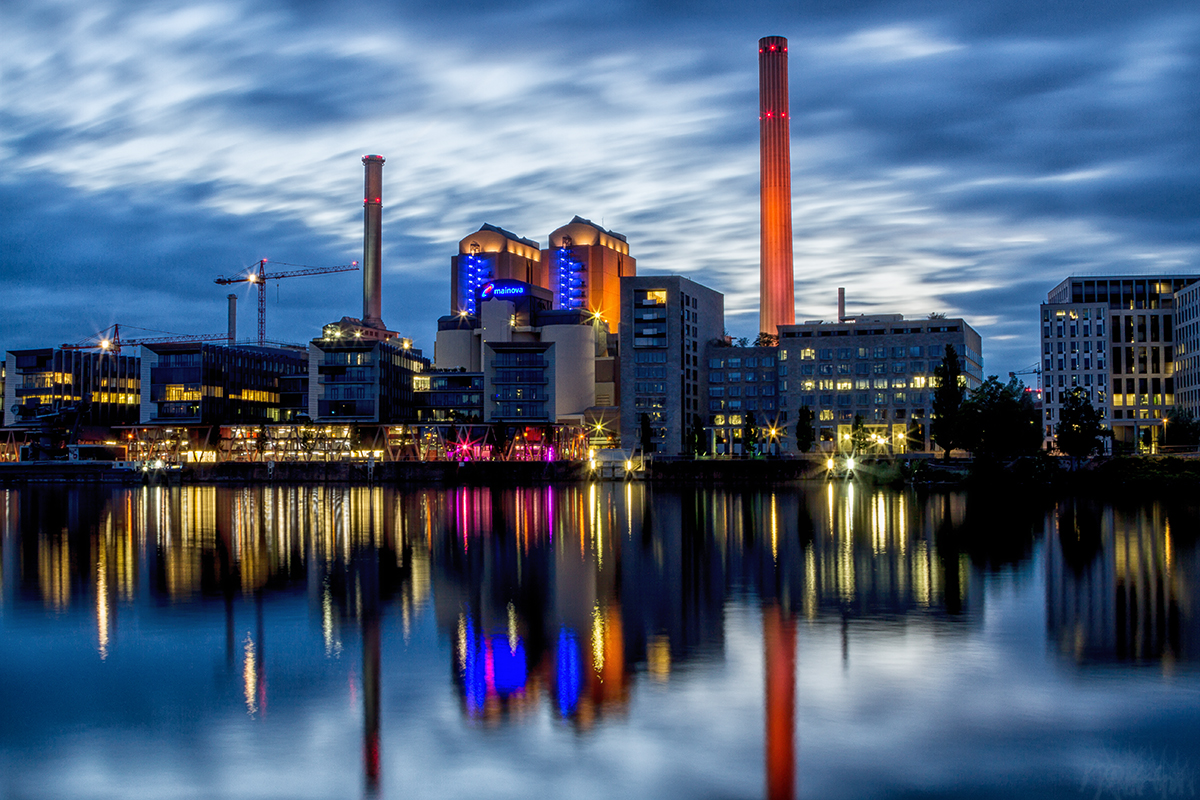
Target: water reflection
x=1120, y=585
x=561, y=602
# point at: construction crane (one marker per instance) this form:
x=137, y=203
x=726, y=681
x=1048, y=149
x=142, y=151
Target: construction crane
x=109, y=340
x=260, y=276
x=1033, y=369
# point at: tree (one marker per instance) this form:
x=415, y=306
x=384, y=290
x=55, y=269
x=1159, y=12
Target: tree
x=1181, y=429
x=947, y=400
x=805, y=436
x=999, y=421
x=765, y=339
x=858, y=435
x=645, y=434
x=937, y=315
x=698, y=439
x=743, y=341
x=1080, y=426
x=749, y=434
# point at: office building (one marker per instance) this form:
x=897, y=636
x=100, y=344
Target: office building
x=355, y=379
x=667, y=322
x=584, y=266
x=1114, y=338
x=197, y=383
x=104, y=387
x=879, y=367
x=449, y=396
x=1187, y=348
x=743, y=389
x=490, y=254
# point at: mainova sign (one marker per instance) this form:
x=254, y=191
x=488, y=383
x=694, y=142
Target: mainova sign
x=504, y=289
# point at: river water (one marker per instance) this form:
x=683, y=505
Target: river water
x=612, y=640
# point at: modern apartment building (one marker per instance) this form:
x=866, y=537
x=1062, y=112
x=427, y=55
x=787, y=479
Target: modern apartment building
x=1187, y=349
x=197, y=383
x=667, y=321
x=1114, y=337
x=743, y=388
x=361, y=380
x=104, y=386
x=878, y=367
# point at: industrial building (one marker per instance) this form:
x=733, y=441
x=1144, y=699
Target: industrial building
x=537, y=364
x=490, y=254
x=206, y=384
x=667, y=321
x=1113, y=334
x=879, y=367
x=584, y=265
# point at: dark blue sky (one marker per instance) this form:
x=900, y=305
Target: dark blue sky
x=946, y=156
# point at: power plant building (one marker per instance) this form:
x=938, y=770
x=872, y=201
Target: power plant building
x=490, y=254
x=536, y=363
x=584, y=265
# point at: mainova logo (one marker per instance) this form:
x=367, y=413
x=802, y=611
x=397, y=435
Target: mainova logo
x=501, y=289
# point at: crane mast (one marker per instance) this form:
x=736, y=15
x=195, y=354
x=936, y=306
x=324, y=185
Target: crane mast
x=258, y=276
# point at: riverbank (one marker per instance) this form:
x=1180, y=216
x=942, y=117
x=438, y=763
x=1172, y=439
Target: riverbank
x=1035, y=472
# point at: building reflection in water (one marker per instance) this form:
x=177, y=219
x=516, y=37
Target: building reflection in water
x=563, y=599
x=1120, y=585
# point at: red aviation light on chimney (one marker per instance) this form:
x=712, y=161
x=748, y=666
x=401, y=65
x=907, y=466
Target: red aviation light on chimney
x=777, y=305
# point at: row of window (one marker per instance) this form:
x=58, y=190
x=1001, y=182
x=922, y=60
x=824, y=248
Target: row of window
x=736, y=391
x=847, y=353
x=864, y=399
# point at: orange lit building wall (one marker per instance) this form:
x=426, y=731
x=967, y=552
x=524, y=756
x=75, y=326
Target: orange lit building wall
x=604, y=259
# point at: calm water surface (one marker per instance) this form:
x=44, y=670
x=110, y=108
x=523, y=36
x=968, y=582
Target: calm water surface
x=607, y=641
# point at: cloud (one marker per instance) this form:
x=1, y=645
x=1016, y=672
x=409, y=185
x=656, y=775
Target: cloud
x=944, y=155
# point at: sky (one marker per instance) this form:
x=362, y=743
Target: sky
x=950, y=157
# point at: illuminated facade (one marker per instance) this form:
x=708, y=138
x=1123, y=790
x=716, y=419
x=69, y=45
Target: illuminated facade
x=743, y=388
x=213, y=384
x=359, y=380
x=537, y=363
x=490, y=254
x=777, y=304
x=105, y=386
x=878, y=367
x=1112, y=334
x=584, y=266
x=1187, y=348
x=667, y=322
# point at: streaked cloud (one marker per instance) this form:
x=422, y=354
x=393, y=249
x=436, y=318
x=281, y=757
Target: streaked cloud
x=948, y=158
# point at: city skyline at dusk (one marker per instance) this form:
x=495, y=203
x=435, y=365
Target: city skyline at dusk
x=962, y=160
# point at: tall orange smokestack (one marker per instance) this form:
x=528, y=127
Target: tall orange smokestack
x=372, y=241
x=777, y=305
